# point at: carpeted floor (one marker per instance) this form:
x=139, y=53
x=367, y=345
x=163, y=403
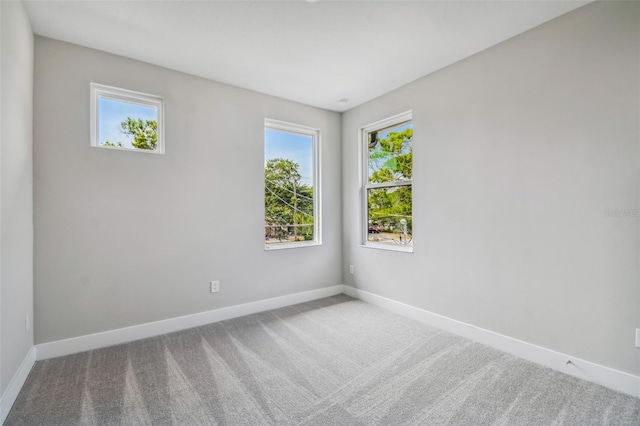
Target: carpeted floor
x=335, y=361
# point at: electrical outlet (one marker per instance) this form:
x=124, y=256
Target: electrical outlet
x=637, y=337
x=351, y=269
x=215, y=286
x=26, y=322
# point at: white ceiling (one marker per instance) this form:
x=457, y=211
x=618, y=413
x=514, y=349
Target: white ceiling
x=307, y=51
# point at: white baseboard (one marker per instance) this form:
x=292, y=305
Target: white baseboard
x=16, y=384
x=605, y=376
x=143, y=331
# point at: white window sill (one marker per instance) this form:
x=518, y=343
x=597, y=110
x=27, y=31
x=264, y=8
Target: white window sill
x=117, y=148
x=271, y=247
x=388, y=247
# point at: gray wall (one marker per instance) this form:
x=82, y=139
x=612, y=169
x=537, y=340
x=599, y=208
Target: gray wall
x=124, y=238
x=519, y=150
x=16, y=190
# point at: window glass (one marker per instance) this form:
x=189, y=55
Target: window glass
x=290, y=189
x=388, y=203
x=391, y=154
x=123, y=119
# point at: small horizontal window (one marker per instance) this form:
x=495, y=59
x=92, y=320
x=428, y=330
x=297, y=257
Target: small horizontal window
x=127, y=120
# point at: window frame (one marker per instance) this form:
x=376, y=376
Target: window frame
x=315, y=135
x=365, y=185
x=98, y=91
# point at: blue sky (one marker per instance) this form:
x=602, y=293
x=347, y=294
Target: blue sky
x=112, y=113
x=291, y=146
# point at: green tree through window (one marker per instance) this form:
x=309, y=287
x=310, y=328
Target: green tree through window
x=144, y=133
x=288, y=202
x=290, y=185
x=389, y=188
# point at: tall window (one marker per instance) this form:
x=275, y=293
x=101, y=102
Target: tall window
x=291, y=190
x=124, y=119
x=388, y=172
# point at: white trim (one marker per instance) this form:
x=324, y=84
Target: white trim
x=315, y=135
x=390, y=184
x=151, y=329
x=10, y=395
x=286, y=126
x=98, y=91
x=592, y=372
x=389, y=121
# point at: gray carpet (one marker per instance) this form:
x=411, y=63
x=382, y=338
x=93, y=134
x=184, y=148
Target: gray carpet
x=335, y=361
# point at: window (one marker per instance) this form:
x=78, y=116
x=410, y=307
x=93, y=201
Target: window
x=291, y=185
x=123, y=119
x=387, y=189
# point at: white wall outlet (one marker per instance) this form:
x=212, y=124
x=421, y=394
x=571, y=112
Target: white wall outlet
x=215, y=286
x=637, y=337
x=351, y=269
x=26, y=322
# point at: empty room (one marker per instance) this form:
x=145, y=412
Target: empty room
x=314, y=212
